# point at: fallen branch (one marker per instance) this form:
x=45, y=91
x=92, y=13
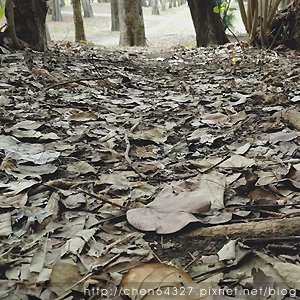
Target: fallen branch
x=269, y=240
x=267, y=228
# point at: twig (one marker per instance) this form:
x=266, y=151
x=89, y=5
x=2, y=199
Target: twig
x=135, y=125
x=276, y=36
x=121, y=240
x=215, y=165
x=191, y=262
x=68, y=291
x=156, y=256
x=267, y=240
x=129, y=161
x=102, y=198
x=76, y=80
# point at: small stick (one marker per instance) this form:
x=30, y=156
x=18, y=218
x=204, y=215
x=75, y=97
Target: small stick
x=129, y=161
x=276, y=239
x=102, y=198
x=191, y=262
x=76, y=80
x=121, y=240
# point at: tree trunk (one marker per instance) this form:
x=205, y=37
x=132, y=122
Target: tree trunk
x=163, y=4
x=285, y=28
x=87, y=9
x=30, y=21
x=114, y=9
x=78, y=21
x=144, y=3
x=208, y=25
x=132, y=29
x=155, y=9
x=56, y=11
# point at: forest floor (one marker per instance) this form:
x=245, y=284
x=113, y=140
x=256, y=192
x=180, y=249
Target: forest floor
x=111, y=158
x=171, y=28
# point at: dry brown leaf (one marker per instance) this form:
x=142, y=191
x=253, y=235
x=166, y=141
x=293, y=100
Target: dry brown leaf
x=5, y=224
x=16, y=201
x=83, y=116
x=161, y=281
x=74, y=201
x=172, y=208
x=65, y=274
x=292, y=116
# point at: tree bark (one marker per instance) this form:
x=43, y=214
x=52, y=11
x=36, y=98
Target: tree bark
x=78, y=21
x=163, y=4
x=9, y=12
x=30, y=22
x=155, y=8
x=268, y=228
x=114, y=9
x=285, y=28
x=87, y=9
x=132, y=29
x=144, y=3
x=56, y=11
x=208, y=25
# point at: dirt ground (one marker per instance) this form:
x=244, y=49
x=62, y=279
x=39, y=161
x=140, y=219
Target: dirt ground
x=171, y=28
x=92, y=137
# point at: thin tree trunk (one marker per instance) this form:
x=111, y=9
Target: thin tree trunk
x=114, y=8
x=132, y=29
x=87, y=9
x=78, y=21
x=163, y=4
x=56, y=11
x=155, y=8
x=11, y=25
x=144, y=3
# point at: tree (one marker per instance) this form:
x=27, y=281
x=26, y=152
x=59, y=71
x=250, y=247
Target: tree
x=144, y=3
x=163, y=4
x=114, y=9
x=208, y=25
x=266, y=28
x=30, y=23
x=155, y=8
x=87, y=9
x=285, y=28
x=56, y=11
x=78, y=21
x=132, y=29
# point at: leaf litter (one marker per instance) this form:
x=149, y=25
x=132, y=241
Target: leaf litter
x=105, y=153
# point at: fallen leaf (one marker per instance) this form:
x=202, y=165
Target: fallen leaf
x=154, y=280
x=65, y=274
x=173, y=207
x=16, y=201
x=5, y=224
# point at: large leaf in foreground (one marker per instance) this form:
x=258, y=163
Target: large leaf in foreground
x=174, y=206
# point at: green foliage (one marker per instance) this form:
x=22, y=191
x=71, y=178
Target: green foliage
x=223, y=8
x=2, y=8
